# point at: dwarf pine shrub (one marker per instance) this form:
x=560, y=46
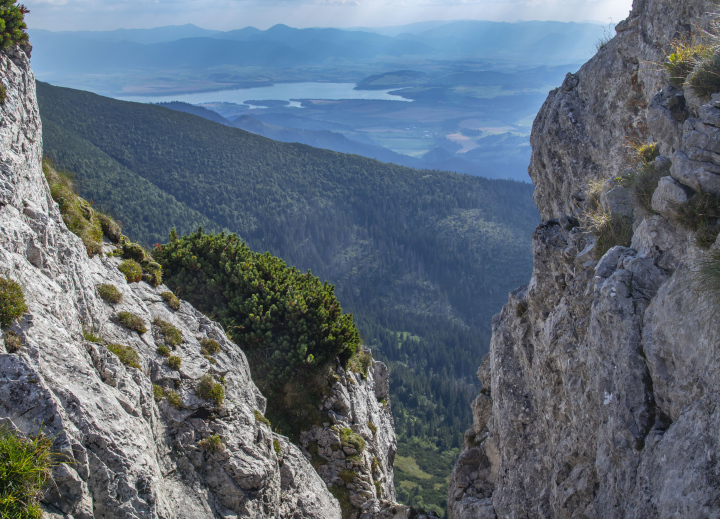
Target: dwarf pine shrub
x=12, y=24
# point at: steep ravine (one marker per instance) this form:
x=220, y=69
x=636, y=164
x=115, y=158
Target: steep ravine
x=131, y=453
x=601, y=389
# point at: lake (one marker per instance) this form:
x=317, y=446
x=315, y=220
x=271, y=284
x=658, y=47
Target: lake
x=279, y=92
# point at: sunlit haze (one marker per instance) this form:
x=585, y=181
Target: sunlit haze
x=232, y=14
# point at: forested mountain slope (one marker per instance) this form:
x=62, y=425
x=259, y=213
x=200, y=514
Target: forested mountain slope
x=423, y=258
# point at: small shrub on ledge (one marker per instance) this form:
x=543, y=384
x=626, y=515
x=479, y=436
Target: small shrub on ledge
x=212, y=443
x=12, y=301
x=171, y=300
x=109, y=293
x=126, y=354
x=170, y=333
x=174, y=362
x=208, y=389
x=12, y=24
x=132, y=321
x=132, y=270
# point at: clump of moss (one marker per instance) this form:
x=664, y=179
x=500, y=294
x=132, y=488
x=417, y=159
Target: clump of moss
x=348, y=476
x=208, y=389
x=349, y=438
x=13, y=342
x=174, y=362
x=132, y=321
x=171, y=300
x=360, y=362
x=132, y=270
x=260, y=418
x=126, y=354
x=209, y=346
x=25, y=468
x=700, y=214
x=109, y=293
x=171, y=335
x=163, y=350
x=212, y=443
x=12, y=301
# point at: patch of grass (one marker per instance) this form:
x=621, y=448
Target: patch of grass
x=700, y=214
x=13, y=342
x=174, y=362
x=132, y=270
x=707, y=277
x=3, y=94
x=410, y=467
x=375, y=464
x=347, y=476
x=212, y=443
x=171, y=335
x=342, y=494
x=126, y=354
x=25, y=468
x=209, y=346
x=705, y=77
x=154, y=273
x=349, y=438
x=132, y=321
x=682, y=59
x=360, y=362
x=260, y=418
x=91, y=336
x=378, y=489
x=12, y=301
x=158, y=392
x=109, y=293
x=111, y=229
x=163, y=351
x=208, y=389
x=276, y=446
x=174, y=398
x=373, y=428
x=132, y=251
x=171, y=300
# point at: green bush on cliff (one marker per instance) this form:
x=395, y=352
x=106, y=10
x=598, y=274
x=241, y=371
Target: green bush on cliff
x=12, y=24
x=12, y=301
x=290, y=324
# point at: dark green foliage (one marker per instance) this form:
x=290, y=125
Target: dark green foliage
x=109, y=293
x=174, y=362
x=212, y=443
x=132, y=270
x=126, y=354
x=163, y=351
x=347, y=476
x=171, y=335
x=25, y=468
x=360, y=362
x=132, y=321
x=349, y=438
x=209, y=389
x=209, y=346
x=12, y=301
x=289, y=323
x=12, y=25
x=132, y=251
x=260, y=418
x=700, y=214
x=13, y=342
x=171, y=300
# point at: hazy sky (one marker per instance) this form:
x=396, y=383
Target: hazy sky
x=234, y=14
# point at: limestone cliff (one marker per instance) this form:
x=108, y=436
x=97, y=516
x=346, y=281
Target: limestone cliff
x=600, y=392
x=133, y=452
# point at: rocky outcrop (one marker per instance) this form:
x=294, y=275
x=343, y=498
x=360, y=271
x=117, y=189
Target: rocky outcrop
x=600, y=389
x=131, y=453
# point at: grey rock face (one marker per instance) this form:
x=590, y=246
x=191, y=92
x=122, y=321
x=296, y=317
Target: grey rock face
x=131, y=456
x=600, y=388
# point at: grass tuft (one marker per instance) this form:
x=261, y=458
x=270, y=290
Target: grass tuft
x=91, y=336
x=209, y=346
x=700, y=214
x=212, y=443
x=126, y=354
x=132, y=321
x=208, y=389
x=163, y=351
x=349, y=438
x=360, y=362
x=348, y=476
x=13, y=342
x=171, y=335
x=171, y=300
x=260, y=418
x=12, y=301
x=174, y=362
x=132, y=270
x=276, y=446
x=25, y=468
x=707, y=277
x=109, y=293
